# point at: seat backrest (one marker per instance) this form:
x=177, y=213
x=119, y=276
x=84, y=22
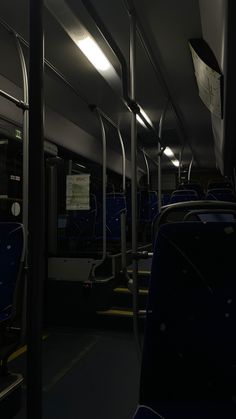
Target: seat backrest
x=11, y=258
x=190, y=343
x=192, y=186
x=219, y=184
x=177, y=212
x=148, y=206
x=165, y=199
x=116, y=204
x=221, y=195
x=183, y=196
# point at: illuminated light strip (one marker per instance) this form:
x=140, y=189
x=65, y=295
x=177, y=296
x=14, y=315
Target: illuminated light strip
x=146, y=117
x=175, y=162
x=93, y=52
x=139, y=119
x=168, y=152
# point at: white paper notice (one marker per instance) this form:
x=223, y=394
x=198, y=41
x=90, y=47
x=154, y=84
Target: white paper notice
x=77, y=192
x=209, y=84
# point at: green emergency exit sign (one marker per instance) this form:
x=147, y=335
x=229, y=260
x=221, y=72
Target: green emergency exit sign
x=18, y=134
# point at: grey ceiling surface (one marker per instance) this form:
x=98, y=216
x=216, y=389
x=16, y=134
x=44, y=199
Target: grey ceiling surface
x=169, y=24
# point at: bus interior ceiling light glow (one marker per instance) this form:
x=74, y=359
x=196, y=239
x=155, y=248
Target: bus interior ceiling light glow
x=146, y=117
x=94, y=53
x=141, y=121
x=175, y=163
x=168, y=152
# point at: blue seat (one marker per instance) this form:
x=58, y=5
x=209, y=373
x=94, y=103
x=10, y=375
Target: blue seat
x=11, y=257
x=189, y=353
x=148, y=206
x=116, y=205
x=223, y=184
x=192, y=186
x=183, y=196
x=11, y=290
x=165, y=199
x=226, y=195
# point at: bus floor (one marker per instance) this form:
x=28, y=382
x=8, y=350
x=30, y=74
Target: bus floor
x=87, y=374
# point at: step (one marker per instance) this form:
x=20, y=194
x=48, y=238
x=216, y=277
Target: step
x=117, y=312
x=122, y=298
x=125, y=290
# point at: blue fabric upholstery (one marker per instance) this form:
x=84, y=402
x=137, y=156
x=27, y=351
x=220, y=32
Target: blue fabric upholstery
x=11, y=250
x=189, y=353
x=148, y=206
x=221, y=195
x=116, y=204
x=194, y=187
x=183, y=196
x=220, y=185
x=165, y=199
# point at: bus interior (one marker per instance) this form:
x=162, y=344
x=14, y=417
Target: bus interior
x=117, y=209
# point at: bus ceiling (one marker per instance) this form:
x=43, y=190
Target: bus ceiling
x=76, y=30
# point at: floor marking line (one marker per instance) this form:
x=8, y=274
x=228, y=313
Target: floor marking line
x=64, y=371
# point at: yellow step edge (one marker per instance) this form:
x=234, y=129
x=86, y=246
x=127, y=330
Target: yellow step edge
x=116, y=312
x=119, y=313
x=121, y=290
x=21, y=351
x=130, y=271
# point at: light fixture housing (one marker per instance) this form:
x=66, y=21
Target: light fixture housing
x=168, y=152
x=175, y=162
x=94, y=54
x=139, y=119
x=145, y=116
x=85, y=41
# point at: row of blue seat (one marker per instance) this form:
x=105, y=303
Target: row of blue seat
x=211, y=195
x=87, y=224
x=189, y=354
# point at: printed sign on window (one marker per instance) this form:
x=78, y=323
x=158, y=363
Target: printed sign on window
x=77, y=192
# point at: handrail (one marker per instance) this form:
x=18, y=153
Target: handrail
x=147, y=167
x=190, y=169
x=160, y=133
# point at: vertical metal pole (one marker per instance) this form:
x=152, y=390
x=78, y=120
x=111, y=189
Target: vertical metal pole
x=134, y=179
x=159, y=177
x=180, y=163
x=36, y=211
x=104, y=184
x=148, y=170
x=25, y=176
x=190, y=169
x=160, y=132
x=123, y=214
x=123, y=160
